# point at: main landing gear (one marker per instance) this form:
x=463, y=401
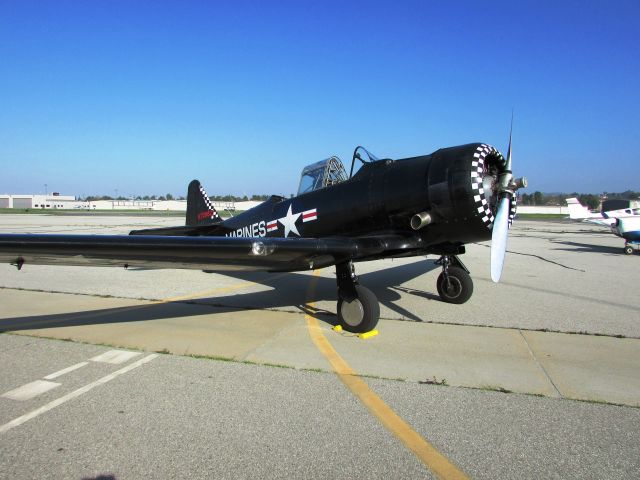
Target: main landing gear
x=454, y=283
x=358, y=307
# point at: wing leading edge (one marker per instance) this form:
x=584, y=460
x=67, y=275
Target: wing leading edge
x=202, y=253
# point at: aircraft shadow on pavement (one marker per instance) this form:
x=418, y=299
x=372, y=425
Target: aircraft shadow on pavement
x=587, y=247
x=286, y=290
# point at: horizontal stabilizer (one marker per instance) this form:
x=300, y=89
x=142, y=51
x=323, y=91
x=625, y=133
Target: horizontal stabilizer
x=180, y=231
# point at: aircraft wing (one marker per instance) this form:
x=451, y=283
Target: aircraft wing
x=192, y=252
x=605, y=222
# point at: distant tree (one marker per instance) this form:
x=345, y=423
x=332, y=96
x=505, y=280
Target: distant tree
x=538, y=198
x=589, y=200
x=168, y=196
x=629, y=195
x=554, y=199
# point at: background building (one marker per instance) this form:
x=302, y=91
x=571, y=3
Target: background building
x=68, y=202
x=52, y=201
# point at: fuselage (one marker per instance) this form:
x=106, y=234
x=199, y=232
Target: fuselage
x=372, y=215
x=627, y=228
x=383, y=196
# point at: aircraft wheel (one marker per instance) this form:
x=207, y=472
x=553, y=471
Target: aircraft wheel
x=459, y=288
x=361, y=314
x=628, y=249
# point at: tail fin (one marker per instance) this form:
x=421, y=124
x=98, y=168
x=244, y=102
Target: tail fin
x=577, y=211
x=200, y=210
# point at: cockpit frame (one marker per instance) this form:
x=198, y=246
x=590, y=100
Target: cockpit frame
x=321, y=174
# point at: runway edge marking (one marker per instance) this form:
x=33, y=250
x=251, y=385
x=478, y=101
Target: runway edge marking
x=426, y=453
x=76, y=393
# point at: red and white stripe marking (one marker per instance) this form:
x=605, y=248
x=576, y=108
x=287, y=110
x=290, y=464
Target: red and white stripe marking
x=272, y=225
x=309, y=215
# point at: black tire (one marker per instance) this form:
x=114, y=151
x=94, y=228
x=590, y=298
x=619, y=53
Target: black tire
x=628, y=249
x=460, y=286
x=360, y=315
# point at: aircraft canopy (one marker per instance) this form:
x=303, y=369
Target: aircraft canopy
x=321, y=174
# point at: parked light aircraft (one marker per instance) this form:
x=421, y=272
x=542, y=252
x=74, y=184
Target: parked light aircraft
x=623, y=222
x=426, y=205
x=607, y=217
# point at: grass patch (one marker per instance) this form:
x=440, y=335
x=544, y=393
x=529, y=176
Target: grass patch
x=434, y=381
x=315, y=370
x=267, y=364
x=211, y=357
x=377, y=377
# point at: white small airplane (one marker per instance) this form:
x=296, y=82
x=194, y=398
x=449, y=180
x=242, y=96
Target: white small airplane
x=577, y=211
x=625, y=223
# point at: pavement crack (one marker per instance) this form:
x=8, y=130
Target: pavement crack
x=269, y=341
x=547, y=260
x=539, y=257
x=540, y=365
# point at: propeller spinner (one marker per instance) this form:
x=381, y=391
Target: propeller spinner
x=506, y=191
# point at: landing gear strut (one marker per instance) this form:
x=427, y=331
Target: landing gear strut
x=454, y=283
x=358, y=308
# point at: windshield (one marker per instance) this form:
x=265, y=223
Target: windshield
x=362, y=154
x=321, y=174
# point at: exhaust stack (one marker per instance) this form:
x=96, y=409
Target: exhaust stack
x=420, y=220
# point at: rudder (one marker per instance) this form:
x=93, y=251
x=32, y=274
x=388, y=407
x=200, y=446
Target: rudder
x=200, y=210
x=577, y=211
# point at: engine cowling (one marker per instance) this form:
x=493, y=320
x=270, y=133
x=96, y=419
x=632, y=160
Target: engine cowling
x=456, y=187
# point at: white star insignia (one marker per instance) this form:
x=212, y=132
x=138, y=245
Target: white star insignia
x=289, y=222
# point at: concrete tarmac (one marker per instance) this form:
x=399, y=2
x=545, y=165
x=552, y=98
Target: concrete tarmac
x=181, y=417
x=563, y=324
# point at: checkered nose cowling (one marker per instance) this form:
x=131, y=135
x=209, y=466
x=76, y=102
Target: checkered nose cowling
x=486, y=166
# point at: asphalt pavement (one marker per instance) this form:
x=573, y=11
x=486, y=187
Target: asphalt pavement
x=227, y=376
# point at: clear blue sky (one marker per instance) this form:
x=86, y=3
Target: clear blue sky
x=144, y=96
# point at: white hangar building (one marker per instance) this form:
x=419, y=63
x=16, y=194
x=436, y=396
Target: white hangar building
x=52, y=201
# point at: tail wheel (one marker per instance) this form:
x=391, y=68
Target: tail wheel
x=628, y=249
x=361, y=314
x=455, y=286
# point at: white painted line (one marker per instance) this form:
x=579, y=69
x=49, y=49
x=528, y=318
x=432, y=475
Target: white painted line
x=59, y=373
x=115, y=356
x=69, y=396
x=30, y=390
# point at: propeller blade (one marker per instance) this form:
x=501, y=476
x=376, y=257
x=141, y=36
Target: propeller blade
x=509, y=149
x=499, y=238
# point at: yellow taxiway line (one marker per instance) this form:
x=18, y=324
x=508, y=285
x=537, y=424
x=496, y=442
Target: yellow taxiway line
x=426, y=453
